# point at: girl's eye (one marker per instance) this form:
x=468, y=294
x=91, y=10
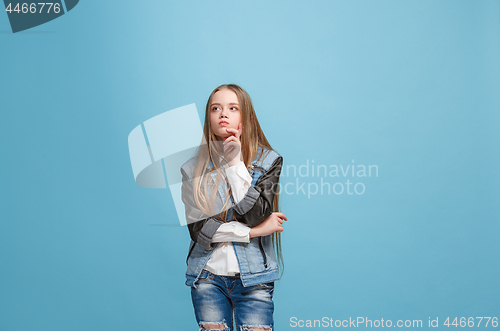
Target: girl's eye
x=216, y=108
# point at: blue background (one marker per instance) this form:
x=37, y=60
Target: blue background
x=409, y=86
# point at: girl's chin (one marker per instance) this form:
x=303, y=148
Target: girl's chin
x=221, y=137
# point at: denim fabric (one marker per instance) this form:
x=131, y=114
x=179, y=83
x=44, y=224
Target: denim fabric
x=257, y=259
x=216, y=296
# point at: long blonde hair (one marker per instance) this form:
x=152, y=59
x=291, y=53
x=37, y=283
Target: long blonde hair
x=251, y=138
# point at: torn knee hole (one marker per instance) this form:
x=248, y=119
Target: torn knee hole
x=255, y=328
x=213, y=326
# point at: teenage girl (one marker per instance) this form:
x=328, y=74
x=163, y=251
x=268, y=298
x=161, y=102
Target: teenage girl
x=230, y=193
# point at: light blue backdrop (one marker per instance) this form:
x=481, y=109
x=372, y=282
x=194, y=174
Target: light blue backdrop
x=409, y=86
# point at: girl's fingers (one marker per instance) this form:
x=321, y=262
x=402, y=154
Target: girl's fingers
x=239, y=131
x=236, y=133
x=230, y=138
x=281, y=215
x=230, y=147
x=230, y=144
x=231, y=130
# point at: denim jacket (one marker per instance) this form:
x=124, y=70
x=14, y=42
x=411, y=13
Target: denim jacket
x=256, y=259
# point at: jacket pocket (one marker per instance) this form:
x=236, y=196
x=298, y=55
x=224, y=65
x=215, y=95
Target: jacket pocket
x=266, y=286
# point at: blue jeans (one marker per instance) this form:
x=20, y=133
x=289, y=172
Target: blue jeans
x=216, y=297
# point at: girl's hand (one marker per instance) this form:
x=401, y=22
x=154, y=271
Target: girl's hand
x=232, y=146
x=270, y=225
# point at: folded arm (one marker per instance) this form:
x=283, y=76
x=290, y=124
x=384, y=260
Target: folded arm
x=253, y=205
x=211, y=230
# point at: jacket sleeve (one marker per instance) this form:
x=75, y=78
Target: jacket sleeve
x=200, y=229
x=258, y=202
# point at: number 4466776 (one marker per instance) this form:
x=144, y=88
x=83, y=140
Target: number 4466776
x=34, y=8
x=463, y=322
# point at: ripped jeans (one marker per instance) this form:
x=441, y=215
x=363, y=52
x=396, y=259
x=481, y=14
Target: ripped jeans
x=216, y=297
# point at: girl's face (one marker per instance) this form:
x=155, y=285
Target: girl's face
x=224, y=113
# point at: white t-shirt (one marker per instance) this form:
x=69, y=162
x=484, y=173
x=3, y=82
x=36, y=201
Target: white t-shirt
x=223, y=260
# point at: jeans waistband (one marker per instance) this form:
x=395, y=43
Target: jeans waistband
x=236, y=275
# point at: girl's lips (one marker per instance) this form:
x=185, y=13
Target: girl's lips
x=223, y=123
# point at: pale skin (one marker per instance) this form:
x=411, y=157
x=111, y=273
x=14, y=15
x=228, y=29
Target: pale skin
x=225, y=107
